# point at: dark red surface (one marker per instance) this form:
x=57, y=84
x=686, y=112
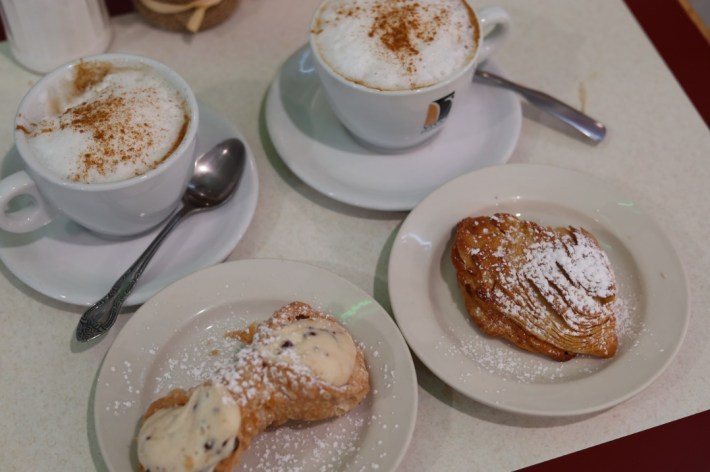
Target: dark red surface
x=681, y=44
x=681, y=445
x=119, y=7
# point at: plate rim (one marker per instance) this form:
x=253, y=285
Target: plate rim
x=237, y=269
x=488, y=175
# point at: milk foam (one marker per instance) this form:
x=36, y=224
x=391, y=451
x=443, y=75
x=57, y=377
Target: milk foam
x=124, y=125
x=395, y=45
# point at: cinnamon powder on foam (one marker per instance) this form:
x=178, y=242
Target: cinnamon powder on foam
x=398, y=27
x=425, y=39
x=122, y=136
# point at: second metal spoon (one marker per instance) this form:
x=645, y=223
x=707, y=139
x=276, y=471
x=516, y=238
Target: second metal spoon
x=215, y=178
x=587, y=126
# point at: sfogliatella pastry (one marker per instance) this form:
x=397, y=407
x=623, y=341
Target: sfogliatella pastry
x=546, y=290
x=300, y=364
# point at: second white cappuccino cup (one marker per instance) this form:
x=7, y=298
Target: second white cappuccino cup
x=104, y=136
x=390, y=111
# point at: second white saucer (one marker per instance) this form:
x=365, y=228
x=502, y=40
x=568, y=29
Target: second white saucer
x=68, y=263
x=315, y=146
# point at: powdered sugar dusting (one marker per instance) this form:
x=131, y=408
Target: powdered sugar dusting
x=192, y=363
x=133, y=390
x=327, y=445
x=499, y=358
x=556, y=284
x=200, y=349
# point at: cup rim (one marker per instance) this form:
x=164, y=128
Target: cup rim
x=466, y=68
x=175, y=79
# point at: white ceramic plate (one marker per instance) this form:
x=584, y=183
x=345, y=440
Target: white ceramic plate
x=68, y=263
x=176, y=338
x=430, y=311
x=313, y=144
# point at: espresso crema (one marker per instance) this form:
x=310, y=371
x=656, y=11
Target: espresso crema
x=396, y=44
x=110, y=123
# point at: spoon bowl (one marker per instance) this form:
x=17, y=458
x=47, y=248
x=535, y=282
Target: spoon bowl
x=214, y=180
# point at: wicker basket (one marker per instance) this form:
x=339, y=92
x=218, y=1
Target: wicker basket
x=185, y=15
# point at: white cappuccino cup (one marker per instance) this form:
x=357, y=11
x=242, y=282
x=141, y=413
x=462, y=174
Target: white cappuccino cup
x=107, y=141
x=392, y=71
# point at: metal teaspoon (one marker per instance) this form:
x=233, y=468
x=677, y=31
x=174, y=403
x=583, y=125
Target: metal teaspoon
x=215, y=179
x=589, y=128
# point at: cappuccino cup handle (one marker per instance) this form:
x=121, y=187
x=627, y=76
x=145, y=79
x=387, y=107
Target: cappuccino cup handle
x=495, y=29
x=26, y=219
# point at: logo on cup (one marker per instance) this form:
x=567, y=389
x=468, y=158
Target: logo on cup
x=438, y=111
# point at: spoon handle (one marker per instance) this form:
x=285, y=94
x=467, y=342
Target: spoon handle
x=102, y=315
x=589, y=128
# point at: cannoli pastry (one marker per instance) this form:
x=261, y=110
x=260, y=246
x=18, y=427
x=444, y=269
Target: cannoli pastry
x=300, y=364
x=546, y=290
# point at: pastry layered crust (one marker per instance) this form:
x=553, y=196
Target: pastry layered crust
x=269, y=392
x=546, y=290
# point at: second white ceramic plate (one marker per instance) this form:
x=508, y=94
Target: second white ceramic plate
x=177, y=338
x=653, y=308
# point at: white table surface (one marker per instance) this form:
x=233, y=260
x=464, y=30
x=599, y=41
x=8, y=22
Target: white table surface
x=657, y=147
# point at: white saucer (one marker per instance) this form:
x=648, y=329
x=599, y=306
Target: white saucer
x=68, y=263
x=653, y=311
x=313, y=144
x=177, y=338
